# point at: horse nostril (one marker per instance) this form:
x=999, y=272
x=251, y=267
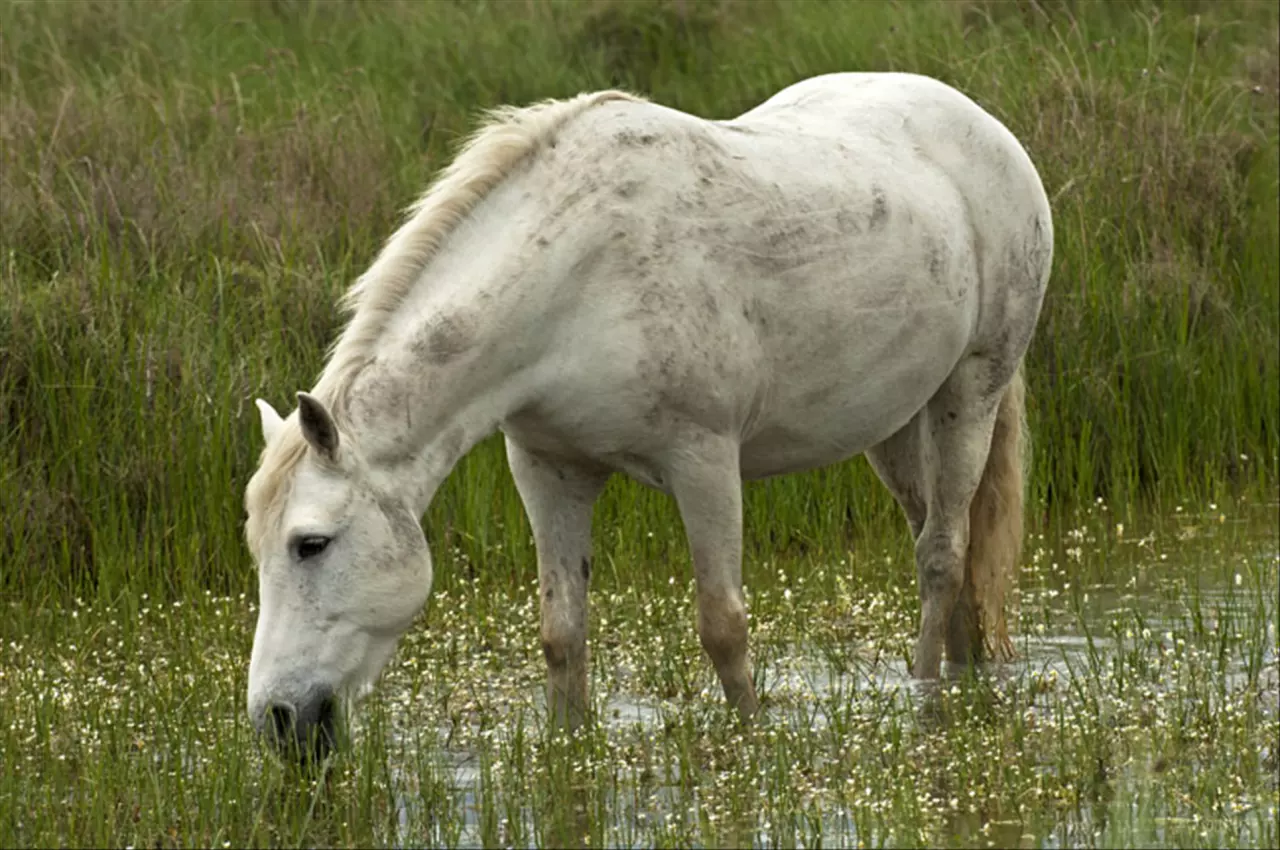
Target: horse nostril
x=326, y=713
x=282, y=722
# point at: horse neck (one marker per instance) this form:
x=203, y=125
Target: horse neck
x=452, y=362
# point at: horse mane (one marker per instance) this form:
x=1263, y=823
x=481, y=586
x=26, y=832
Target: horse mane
x=507, y=137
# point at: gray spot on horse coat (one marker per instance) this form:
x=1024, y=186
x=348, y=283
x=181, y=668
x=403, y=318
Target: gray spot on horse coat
x=445, y=339
x=780, y=247
x=879, y=208
x=937, y=262
x=1040, y=250
x=1027, y=258
x=634, y=138
x=627, y=188
x=787, y=236
x=404, y=523
x=451, y=442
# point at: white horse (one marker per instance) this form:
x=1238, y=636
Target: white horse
x=856, y=265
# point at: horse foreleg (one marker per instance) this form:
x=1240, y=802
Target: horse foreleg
x=558, y=499
x=707, y=483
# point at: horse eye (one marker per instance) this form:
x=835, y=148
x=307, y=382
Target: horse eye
x=309, y=547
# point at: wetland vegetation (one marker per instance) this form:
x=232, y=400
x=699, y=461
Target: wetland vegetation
x=186, y=188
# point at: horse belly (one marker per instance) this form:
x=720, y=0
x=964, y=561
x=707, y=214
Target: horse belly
x=862, y=387
x=864, y=294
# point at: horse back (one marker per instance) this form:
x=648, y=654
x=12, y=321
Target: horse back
x=807, y=274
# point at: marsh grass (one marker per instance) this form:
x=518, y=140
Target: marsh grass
x=1144, y=712
x=185, y=188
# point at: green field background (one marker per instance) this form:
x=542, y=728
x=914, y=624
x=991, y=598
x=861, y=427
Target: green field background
x=186, y=188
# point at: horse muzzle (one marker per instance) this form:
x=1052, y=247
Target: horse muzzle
x=305, y=730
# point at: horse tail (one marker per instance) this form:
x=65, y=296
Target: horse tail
x=995, y=526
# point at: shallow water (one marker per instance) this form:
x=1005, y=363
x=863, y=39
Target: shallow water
x=1145, y=601
x=1142, y=710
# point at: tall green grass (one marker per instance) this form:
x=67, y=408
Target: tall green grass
x=185, y=189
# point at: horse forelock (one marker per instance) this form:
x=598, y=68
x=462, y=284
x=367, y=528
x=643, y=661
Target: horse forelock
x=508, y=136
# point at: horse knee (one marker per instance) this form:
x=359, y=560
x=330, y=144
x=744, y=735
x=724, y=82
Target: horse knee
x=562, y=645
x=722, y=628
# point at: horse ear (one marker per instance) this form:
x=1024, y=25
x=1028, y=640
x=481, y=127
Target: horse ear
x=318, y=426
x=271, y=420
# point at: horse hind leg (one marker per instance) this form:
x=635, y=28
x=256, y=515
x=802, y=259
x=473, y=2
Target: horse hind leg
x=558, y=498
x=961, y=588
x=898, y=464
